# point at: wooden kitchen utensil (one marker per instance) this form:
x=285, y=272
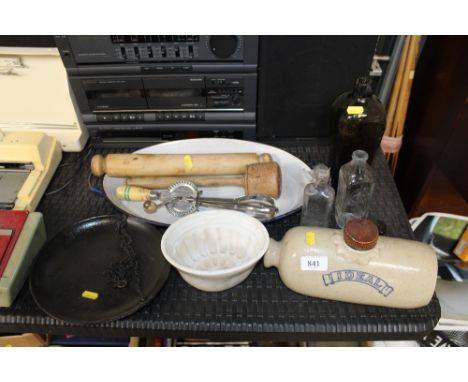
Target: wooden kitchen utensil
x=174, y=164
x=260, y=178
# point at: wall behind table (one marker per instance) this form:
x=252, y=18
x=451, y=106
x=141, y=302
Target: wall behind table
x=432, y=168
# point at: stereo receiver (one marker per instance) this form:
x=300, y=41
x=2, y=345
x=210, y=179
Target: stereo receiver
x=152, y=88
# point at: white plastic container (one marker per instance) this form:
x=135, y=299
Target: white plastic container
x=215, y=250
x=35, y=96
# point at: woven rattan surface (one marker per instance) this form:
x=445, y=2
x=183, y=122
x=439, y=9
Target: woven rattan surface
x=260, y=308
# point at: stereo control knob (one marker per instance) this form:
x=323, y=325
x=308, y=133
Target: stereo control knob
x=223, y=46
x=236, y=100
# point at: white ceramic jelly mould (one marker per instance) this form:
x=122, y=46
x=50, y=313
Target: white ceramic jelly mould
x=215, y=250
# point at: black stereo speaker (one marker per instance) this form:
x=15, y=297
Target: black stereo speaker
x=300, y=77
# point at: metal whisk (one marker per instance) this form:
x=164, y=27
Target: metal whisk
x=184, y=198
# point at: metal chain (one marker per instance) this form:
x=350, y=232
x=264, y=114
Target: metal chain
x=121, y=272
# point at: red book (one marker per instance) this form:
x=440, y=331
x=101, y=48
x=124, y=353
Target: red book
x=11, y=225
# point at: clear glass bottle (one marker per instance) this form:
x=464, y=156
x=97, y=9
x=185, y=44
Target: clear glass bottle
x=319, y=198
x=355, y=189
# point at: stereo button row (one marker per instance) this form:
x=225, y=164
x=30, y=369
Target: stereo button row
x=158, y=117
x=160, y=69
x=120, y=117
x=220, y=91
x=179, y=116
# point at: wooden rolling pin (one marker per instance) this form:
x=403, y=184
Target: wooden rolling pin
x=260, y=178
x=174, y=164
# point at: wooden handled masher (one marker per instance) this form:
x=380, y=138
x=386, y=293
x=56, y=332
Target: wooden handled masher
x=260, y=178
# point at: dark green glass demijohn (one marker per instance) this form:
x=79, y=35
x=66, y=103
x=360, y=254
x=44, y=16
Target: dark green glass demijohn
x=361, y=122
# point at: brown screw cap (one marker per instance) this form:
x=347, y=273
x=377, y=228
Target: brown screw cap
x=361, y=234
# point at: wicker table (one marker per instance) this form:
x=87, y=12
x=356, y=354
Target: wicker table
x=260, y=308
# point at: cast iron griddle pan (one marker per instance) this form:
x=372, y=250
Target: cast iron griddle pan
x=116, y=257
